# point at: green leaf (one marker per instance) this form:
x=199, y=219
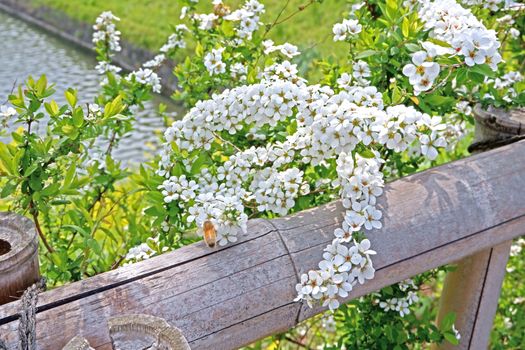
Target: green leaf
x=71, y=97
x=8, y=189
x=364, y=151
x=412, y=47
x=5, y=153
x=451, y=337
x=76, y=228
x=227, y=28
x=199, y=50
x=70, y=175
x=366, y=53
x=405, y=27
x=52, y=108
x=78, y=117
x=483, y=69
x=41, y=85
x=198, y=163
x=51, y=189
x=448, y=321
x=31, y=169
x=438, y=100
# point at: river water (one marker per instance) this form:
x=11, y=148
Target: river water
x=26, y=50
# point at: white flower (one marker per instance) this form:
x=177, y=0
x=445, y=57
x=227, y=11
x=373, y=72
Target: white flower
x=344, y=81
x=429, y=144
x=422, y=72
x=456, y=332
x=449, y=22
x=289, y=50
x=464, y=107
x=361, y=70
x=6, y=111
x=372, y=217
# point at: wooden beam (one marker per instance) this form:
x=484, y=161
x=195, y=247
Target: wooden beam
x=228, y=297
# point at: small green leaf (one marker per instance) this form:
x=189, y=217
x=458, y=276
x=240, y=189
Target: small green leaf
x=8, y=189
x=451, y=338
x=366, y=53
x=405, y=27
x=71, y=97
x=199, y=50
x=412, y=47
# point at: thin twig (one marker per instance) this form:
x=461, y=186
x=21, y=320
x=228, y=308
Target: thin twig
x=276, y=19
x=226, y=141
x=291, y=340
x=11, y=92
x=34, y=213
x=301, y=8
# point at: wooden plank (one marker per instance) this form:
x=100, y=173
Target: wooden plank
x=231, y=296
x=477, y=281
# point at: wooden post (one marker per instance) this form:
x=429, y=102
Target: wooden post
x=18, y=256
x=472, y=290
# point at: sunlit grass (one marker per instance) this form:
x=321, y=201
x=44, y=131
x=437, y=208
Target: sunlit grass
x=146, y=23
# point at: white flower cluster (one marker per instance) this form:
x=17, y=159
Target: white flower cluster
x=6, y=113
x=213, y=61
x=205, y=21
x=238, y=71
x=508, y=80
x=147, y=74
x=330, y=126
x=517, y=247
x=105, y=31
x=175, y=40
x=401, y=304
x=493, y=5
x=206, y=200
x=450, y=22
x=286, y=49
x=139, y=253
x=347, y=28
x=145, y=251
x=284, y=71
x=248, y=17
x=147, y=77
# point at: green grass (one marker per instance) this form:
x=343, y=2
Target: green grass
x=146, y=23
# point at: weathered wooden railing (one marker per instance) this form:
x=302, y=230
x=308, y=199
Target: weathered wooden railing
x=227, y=297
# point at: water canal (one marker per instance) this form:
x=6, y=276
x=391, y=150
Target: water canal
x=26, y=50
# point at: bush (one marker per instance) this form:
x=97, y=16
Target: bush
x=260, y=140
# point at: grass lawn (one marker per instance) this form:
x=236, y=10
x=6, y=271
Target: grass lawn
x=146, y=23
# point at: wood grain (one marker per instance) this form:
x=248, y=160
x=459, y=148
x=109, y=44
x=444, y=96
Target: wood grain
x=228, y=297
x=19, y=257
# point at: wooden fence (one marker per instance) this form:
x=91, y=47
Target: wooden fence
x=228, y=297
